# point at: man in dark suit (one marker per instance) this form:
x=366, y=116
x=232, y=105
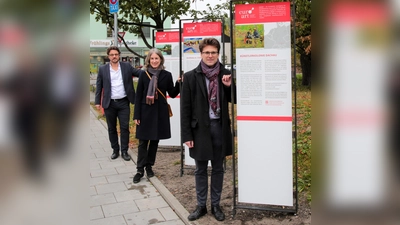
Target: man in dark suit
x=114, y=80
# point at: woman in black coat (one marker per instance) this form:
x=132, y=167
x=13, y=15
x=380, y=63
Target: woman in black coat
x=151, y=110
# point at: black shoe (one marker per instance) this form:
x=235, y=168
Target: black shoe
x=114, y=155
x=199, y=212
x=149, y=172
x=217, y=212
x=137, y=177
x=126, y=156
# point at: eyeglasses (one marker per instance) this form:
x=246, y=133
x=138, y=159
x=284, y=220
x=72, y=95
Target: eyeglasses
x=112, y=55
x=208, y=53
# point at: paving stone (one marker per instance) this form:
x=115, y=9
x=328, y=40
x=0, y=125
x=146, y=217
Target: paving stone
x=97, y=149
x=168, y=213
x=94, y=145
x=100, y=159
x=103, y=154
x=119, y=177
x=144, y=217
x=117, y=220
x=111, y=164
x=96, y=213
x=172, y=222
x=119, y=208
x=104, y=141
x=151, y=203
x=102, y=199
x=92, y=191
x=144, y=186
x=97, y=181
x=102, y=172
x=144, y=182
x=126, y=169
x=100, y=134
x=129, y=163
x=151, y=191
x=94, y=166
x=109, y=188
x=129, y=195
x=114, y=199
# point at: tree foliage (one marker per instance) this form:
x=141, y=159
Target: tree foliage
x=132, y=15
x=303, y=38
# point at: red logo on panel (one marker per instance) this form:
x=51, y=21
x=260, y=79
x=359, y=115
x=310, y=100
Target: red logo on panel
x=261, y=13
x=165, y=37
x=190, y=29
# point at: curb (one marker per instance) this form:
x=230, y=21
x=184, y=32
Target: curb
x=164, y=192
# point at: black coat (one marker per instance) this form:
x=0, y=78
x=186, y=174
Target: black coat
x=154, y=119
x=195, y=118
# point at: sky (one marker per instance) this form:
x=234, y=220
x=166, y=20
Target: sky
x=199, y=5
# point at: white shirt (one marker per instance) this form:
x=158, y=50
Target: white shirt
x=117, y=85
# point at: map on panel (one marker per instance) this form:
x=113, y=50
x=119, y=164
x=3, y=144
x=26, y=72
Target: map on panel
x=277, y=35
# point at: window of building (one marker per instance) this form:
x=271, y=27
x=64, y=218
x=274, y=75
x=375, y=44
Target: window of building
x=109, y=32
x=146, y=30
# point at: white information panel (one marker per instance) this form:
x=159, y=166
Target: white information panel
x=193, y=33
x=264, y=103
x=168, y=43
x=357, y=168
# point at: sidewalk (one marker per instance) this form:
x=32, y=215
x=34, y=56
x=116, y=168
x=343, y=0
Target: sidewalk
x=114, y=197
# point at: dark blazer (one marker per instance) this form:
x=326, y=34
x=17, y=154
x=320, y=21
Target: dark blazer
x=154, y=119
x=195, y=117
x=104, y=83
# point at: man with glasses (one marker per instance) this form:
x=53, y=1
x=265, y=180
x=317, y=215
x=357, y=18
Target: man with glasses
x=205, y=124
x=115, y=87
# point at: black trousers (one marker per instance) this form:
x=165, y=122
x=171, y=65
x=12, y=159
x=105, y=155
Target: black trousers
x=217, y=172
x=147, y=152
x=121, y=110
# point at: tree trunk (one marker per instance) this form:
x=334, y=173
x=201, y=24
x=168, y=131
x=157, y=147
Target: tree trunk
x=305, y=61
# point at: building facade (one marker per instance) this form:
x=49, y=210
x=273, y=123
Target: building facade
x=102, y=37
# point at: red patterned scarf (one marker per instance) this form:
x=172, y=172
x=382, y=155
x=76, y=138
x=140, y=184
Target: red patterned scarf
x=212, y=75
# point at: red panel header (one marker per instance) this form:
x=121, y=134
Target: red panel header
x=167, y=36
x=202, y=29
x=261, y=13
x=354, y=13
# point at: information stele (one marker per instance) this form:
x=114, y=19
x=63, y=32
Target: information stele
x=114, y=6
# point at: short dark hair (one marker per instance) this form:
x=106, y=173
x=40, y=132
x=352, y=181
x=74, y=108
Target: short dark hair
x=209, y=41
x=113, y=48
